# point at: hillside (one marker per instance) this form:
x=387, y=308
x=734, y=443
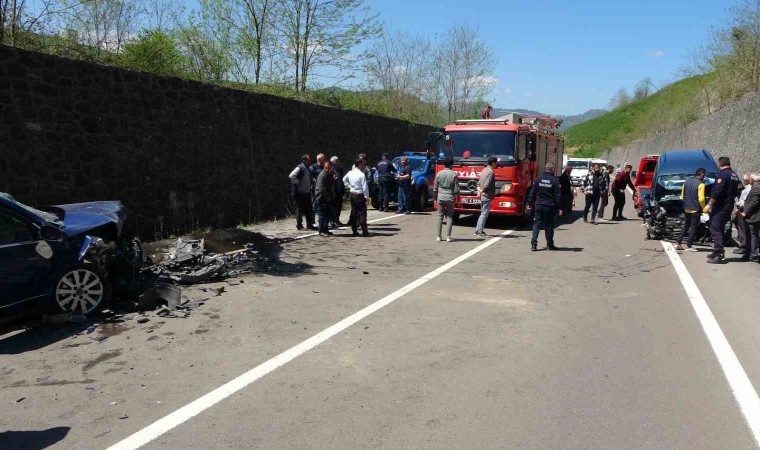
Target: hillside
x=671, y=107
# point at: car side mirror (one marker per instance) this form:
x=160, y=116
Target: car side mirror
x=50, y=233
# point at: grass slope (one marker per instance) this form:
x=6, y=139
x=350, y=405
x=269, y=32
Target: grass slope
x=671, y=107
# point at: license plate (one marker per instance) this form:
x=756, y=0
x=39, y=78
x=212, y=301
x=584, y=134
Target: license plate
x=470, y=201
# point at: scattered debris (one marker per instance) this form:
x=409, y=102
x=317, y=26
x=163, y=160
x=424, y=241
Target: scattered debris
x=124, y=416
x=143, y=320
x=90, y=329
x=99, y=339
x=63, y=319
x=365, y=272
x=21, y=400
x=168, y=295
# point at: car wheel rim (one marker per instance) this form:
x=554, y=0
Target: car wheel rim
x=79, y=291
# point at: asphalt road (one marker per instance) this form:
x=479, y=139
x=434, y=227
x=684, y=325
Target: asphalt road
x=594, y=346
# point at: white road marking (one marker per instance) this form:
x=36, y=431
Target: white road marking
x=196, y=407
x=346, y=228
x=741, y=386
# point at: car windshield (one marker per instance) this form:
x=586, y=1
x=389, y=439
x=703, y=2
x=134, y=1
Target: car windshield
x=51, y=218
x=416, y=164
x=480, y=145
x=578, y=164
x=672, y=184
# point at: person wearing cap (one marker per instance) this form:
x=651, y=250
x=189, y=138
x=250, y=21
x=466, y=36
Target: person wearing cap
x=622, y=180
x=566, y=190
x=340, y=192
x=544, y=199
x=486, y=193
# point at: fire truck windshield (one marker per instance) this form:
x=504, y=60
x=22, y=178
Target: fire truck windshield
x=480, y=145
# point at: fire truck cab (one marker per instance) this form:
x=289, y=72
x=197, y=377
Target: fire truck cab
x=522, y=144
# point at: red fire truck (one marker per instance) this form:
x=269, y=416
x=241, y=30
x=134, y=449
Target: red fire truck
x=523, y=146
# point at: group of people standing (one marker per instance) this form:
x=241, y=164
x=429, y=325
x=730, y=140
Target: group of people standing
x=386, y=172
x=600, y=184
x=729, y=196
x=319, y=190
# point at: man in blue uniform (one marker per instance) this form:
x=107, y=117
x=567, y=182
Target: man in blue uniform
x=385, y=172
x=545, y=197
x=720, y=207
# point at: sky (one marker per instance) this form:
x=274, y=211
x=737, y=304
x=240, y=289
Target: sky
x=569, y=56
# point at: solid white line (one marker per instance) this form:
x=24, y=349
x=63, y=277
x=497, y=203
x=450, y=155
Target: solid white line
x=196, y=407
x=741, y=386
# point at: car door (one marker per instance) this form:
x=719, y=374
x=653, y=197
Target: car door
x=26, y=261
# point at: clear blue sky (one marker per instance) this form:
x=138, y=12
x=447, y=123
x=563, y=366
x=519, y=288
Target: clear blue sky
x=568, y=56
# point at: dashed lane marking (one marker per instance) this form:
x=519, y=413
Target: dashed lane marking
x=196, y=407
x=741, y=386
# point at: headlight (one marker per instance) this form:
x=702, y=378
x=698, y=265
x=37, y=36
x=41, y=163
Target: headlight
x=503, y=186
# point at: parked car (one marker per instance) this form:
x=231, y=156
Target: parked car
x=65, y=257
x=423, y=179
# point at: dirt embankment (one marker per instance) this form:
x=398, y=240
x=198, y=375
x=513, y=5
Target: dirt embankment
x=733, y=131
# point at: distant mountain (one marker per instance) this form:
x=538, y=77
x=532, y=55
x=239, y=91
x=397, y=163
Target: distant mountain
x=567, y=122
x=570, y=121
x=498, y=112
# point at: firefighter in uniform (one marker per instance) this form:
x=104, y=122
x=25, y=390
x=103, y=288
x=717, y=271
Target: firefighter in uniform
x=720, y=207
x=545, y=197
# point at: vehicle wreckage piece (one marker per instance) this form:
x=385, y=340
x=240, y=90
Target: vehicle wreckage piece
x=190, y=264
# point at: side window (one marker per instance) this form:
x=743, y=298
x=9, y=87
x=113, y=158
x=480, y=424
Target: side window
x=13, y=230
x=522, y=147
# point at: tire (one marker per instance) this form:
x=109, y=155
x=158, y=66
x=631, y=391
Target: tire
x=82, y=289
x=524, y=219
x=422, y=199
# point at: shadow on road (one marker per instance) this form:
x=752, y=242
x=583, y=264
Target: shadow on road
x=33, y=439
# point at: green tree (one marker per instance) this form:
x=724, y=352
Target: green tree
x=155, y=52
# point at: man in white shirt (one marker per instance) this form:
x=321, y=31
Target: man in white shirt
x=358, y=190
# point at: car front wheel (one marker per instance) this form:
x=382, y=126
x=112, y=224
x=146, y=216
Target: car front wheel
x=81, y=290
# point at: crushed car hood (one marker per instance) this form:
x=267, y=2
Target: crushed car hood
x=79, y=218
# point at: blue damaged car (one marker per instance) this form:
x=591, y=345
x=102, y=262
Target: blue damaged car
x=65, y=257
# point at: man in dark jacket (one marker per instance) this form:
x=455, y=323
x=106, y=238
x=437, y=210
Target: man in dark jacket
x=720, y=207
x=314, y=171
x=545, y=199
x=605, y=200
x=621, y=181
x=751, y=215
x=566, y=190
x=593, y=186
x=300, y=182
x=693, y=196
x=385, y=171
x=325, y=194
x=340, y=191
x=486, y=193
